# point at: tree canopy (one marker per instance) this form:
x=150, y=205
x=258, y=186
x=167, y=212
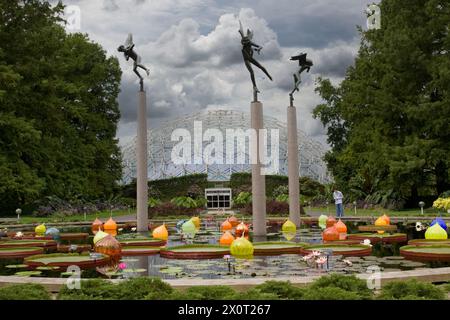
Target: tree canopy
x=388, y=122
x=58, y=108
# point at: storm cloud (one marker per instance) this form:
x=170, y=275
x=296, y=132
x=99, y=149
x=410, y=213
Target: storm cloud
x=192, y=48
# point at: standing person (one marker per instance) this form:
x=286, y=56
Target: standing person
x=338, y=196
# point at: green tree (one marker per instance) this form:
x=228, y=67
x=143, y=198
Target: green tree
x=58, y=108
x=388, y=121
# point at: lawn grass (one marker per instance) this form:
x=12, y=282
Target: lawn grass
x=74, y=218
x=429, y=212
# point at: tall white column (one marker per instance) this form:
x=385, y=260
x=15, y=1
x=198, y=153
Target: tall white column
x=293, y=167
x=142, y=169
x=258, y=180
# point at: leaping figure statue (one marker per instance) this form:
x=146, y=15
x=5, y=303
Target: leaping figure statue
x=128, y=51
x=247, y=53
x=305, y=64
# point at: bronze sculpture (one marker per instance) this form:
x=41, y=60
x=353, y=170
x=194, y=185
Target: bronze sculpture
x=128, y=51
x=247, y=53
x=305, y=64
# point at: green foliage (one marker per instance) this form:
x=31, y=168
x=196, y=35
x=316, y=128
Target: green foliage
x=143, y=288
x=95, y=289
x=211, y=292
x=330, y=293
x=283, y=290
x=387, y=122
x=348, y=284
x=411, y=290
x=186, y=202
x=167, y=189
x=152, y=202
x=282, y=198
x=280, y=190
x=59, y=109
x=26, y=291
x=243, y=198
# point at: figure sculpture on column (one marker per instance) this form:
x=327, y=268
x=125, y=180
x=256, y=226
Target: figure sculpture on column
x=305, y=64
x=128, y=51
x=247, y=52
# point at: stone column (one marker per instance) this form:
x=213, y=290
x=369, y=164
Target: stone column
x=258, y=180
x=293, y=167
x=142, y=169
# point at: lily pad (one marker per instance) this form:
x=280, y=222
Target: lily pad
x=28, y=273
x=426, y=253
x=171, y=270
x=134, y=270
x=16, y=266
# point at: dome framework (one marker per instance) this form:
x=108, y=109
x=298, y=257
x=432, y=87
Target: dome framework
x=160, y=147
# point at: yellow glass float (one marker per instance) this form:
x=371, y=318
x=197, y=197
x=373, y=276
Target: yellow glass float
x=189, y=229
x=436, y=232
x=161, y=233
x=381, y=222
x=289, y=230
x=323, y=221
x=241, y=248
x=40, y=230
x=99, y=236
x=196, y=222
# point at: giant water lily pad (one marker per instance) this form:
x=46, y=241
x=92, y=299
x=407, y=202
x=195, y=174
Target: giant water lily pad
x=27, y=243
x=426, y=253
x=384, y=238
x=195, y=252
x=83, y=260
x=354, y=250
x=139, y=251
x=28, y=273
x=277, y=248
x=13, y=252
x=425, y=242
x=145, y=242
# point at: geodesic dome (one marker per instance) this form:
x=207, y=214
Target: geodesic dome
x=160, y=146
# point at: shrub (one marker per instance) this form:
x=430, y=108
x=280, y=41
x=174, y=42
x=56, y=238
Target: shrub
x=346, y=283
x=211, y=292
x=95, y=289
x=283, y=290
x=26, y=291
x=143, y=288
x=254, y=294
x=411, y=290
x=329, y=293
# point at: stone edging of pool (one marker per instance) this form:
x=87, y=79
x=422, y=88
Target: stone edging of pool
x=426, y=275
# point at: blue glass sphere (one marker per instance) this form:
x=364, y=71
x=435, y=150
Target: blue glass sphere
x=441, y=222
x=53, y=232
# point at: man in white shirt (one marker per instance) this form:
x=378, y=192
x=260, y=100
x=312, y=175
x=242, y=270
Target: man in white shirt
x=338, y=196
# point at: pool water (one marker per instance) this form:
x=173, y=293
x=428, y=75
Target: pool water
x=384, y=256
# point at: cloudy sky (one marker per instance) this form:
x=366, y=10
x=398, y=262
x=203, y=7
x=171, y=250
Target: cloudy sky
x=193, y=50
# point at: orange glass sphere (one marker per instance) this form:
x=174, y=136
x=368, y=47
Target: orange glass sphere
x=234, y=221
x=226, y=226
x=226, y=239
x=331, y=222
x=97, y=225
x=341, y=227
x=385, y=217
x=242, y=230
x=161, y=233
x=110, y=225
x=330, y=234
